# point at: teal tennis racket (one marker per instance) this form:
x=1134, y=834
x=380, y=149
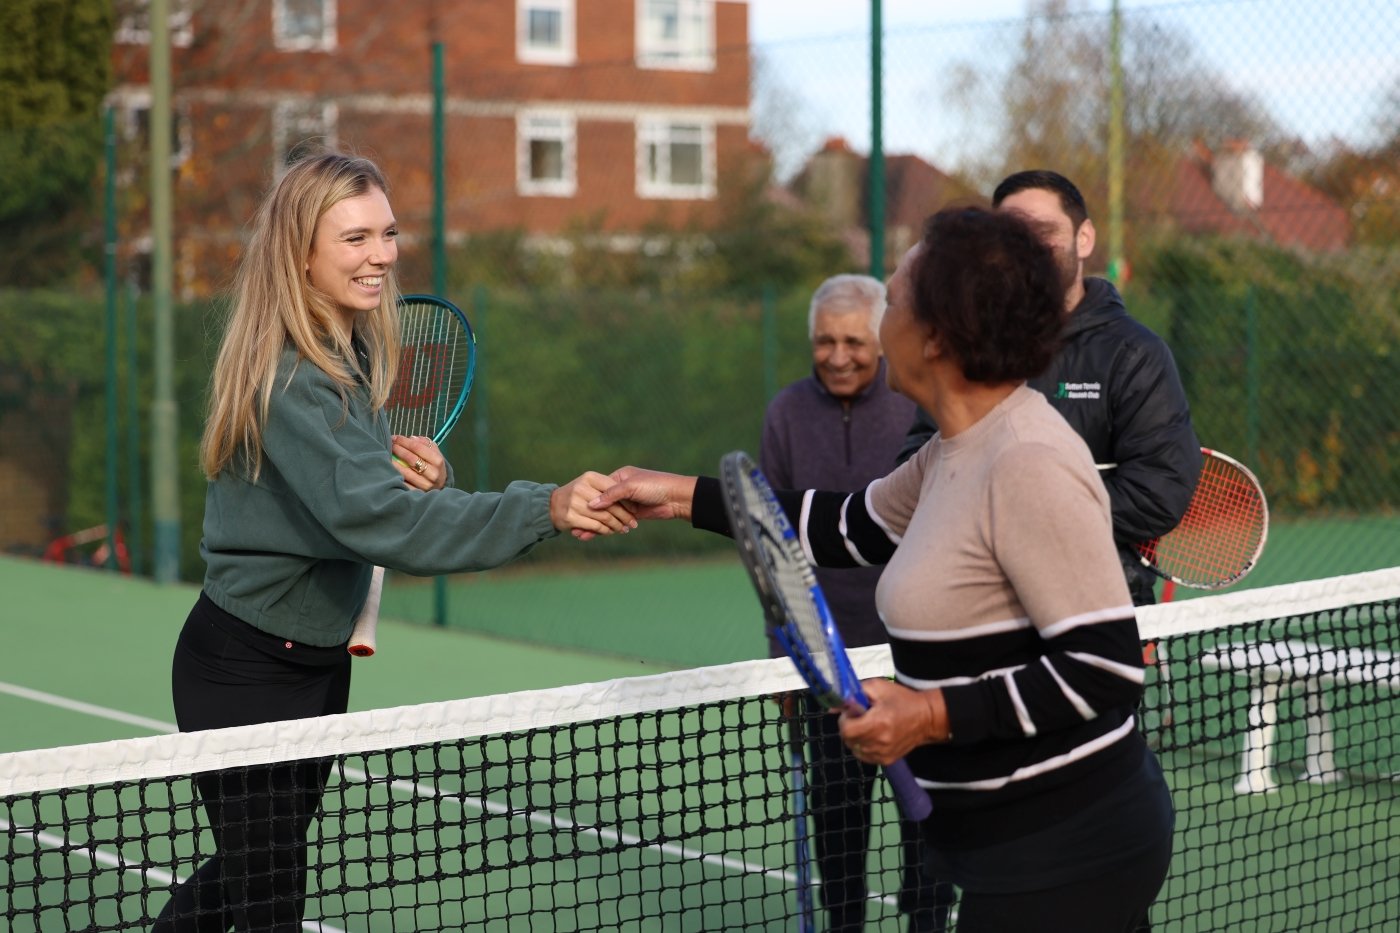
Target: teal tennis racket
x=437, y=363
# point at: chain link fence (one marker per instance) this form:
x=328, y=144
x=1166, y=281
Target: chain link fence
x=1242, y=169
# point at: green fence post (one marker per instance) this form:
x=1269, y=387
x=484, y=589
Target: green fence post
x=876, y=206
x=1252, y=364
x=439, y=258
x=770, y=343
x=165, y=422
x=479, y=423
x=135, y=509
x=109, y=238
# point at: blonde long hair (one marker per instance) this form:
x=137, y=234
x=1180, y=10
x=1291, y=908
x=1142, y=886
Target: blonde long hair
x=274, y=302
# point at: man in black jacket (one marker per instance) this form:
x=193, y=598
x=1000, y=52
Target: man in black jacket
x=1113, y=380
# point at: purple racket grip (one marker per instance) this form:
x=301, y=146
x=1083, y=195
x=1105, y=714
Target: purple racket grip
x=913, y=800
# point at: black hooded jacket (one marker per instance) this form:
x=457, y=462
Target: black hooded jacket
x=1116, y=383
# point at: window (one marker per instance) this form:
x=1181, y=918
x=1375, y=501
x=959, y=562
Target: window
x=676, y=34
x=136, y=126
x=303, y=25
x=133, y=112
x=546, y=160
x=675, y=158
x=134, y=23
x=545, y=32
x=300, y=127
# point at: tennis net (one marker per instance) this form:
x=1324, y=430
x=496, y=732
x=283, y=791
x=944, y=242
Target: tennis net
x=664, y=802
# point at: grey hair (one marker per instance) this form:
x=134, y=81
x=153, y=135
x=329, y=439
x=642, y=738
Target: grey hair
x=845, y=294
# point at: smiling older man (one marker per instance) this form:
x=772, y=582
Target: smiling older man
x=841, y=428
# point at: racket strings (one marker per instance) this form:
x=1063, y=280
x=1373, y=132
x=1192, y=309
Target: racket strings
x=795, y=584
x=1222, y=531
x=433, y=365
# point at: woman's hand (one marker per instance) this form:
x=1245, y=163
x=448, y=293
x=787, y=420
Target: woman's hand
x=571, y=509
x=420, y=462
x=648, y=493
x=898, y=721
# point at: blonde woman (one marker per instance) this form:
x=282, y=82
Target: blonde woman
x=303, y=502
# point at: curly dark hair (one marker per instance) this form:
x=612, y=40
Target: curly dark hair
x=990, y=290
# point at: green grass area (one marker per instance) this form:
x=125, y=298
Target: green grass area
x=1313, y=548
x=679, y=614
x=104, y=639
x=689, y=613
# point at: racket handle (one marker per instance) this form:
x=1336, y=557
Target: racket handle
x=362, y=639
x=913, y=800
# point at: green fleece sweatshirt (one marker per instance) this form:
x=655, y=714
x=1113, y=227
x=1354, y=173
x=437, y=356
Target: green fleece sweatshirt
x=292, y=554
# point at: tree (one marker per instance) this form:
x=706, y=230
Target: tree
x=55, y=69
x=780, y=118
x=1053, y=99
x=1366, y=179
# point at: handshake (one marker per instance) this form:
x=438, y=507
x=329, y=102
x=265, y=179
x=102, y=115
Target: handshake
x=602, y=504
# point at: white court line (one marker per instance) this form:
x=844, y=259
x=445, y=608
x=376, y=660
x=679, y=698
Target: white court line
x=414, y=788
x=114, y=860
x=103, y=712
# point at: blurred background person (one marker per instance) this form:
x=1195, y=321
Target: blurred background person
x=840, y=428
x=1114, y=381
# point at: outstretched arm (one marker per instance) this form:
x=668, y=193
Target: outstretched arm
x=648, y=494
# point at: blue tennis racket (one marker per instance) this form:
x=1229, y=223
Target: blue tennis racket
x=437, y=363
x=796, y=609
x=802, y=852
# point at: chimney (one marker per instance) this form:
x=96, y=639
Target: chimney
x=833, y=183
x=1237, y=175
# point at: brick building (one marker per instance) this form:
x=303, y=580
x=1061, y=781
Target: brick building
x=621, y=113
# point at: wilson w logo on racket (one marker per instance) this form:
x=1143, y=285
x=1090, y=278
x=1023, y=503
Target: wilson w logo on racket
x=420, y=380
x=795, y=608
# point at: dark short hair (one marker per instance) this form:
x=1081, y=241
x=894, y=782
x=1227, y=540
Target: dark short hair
x=1045, y=180
x=990, y=289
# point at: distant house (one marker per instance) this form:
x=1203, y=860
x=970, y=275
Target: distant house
x=836, y=182
x=621, y=112
x=1233, y=191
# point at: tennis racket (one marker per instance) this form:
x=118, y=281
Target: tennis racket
x=437, y=362
x=795, y=714
x=1219, y=539
x=794, y=606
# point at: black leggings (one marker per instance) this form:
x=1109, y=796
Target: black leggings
x=227, y=673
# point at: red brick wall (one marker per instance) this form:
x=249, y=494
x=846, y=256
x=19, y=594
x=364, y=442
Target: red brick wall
x=229, y=79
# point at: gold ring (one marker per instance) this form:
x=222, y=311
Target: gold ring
x=419, y=466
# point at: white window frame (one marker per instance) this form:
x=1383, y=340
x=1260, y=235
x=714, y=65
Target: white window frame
x=688, y=51
x=659, y=130
x=558, y=125
x=525, y=52
x=325, y=42
x=294, y=121
x=135, y=25
x=131, y=102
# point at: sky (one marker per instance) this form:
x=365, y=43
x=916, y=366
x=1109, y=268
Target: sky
x=1319, y=66
x=774, y=20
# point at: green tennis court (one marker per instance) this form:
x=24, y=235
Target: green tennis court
x=105, y=640
x=670, y=811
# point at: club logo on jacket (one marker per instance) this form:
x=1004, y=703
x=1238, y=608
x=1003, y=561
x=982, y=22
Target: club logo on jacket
x=1078, y=390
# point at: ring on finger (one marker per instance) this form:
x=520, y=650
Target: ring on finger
x=419, y=466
